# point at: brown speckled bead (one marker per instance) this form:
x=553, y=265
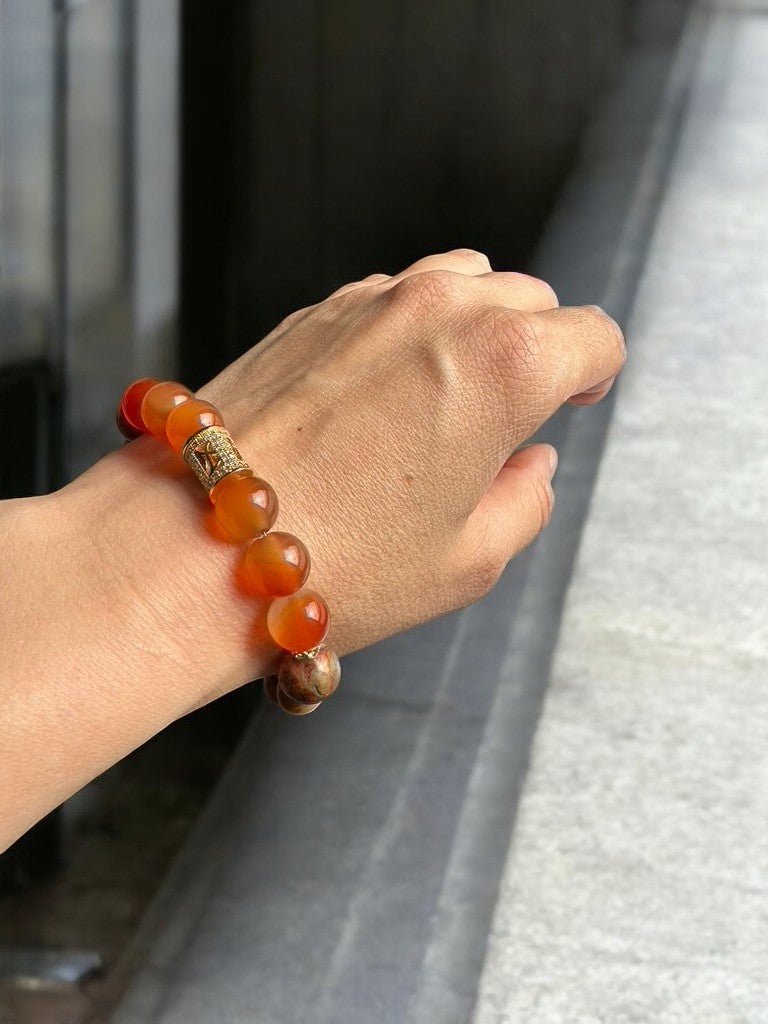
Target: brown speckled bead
x=310, y=678
x=294, y=707
x=270, y=688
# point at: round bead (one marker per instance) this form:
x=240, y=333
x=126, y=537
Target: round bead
x=216, y=487
x=311, y=678
x=294, y=707
x=270, y=688
x=245, y=506
x=158, y=403
x=187, y=419
x=130, y=403
x=299, y=622
x=125, y=428
x=276, y=565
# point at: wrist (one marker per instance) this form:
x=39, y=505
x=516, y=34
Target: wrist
x=145, y=543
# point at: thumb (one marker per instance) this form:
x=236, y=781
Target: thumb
x=517, y=505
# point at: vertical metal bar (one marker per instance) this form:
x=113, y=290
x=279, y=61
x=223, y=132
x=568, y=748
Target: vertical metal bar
x=126, y=71
x=58, y=438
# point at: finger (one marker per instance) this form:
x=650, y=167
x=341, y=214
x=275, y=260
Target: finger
x=515, y=508
x=594, y=342
x=566, y=352
x=593, y=395
x=366, y=282
x=517, y=291
x=459, y=261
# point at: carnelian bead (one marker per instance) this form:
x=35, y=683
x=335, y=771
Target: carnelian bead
x=245, y=507
x=298, y=623
x=187, y=419
x=217, y=487
x=158, y=403
x=125, y=428
x=277, y=564
x=130, y=403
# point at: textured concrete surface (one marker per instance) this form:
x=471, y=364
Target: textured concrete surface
x=636, y=889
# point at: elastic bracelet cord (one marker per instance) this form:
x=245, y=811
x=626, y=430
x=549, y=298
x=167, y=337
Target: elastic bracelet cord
x=276, y=565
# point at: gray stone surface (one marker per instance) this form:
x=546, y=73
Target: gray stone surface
x=636, y=888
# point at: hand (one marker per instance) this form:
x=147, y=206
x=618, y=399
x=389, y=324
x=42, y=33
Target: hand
x=388, y=418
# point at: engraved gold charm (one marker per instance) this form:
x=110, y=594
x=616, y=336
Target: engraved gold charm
x=211, y=455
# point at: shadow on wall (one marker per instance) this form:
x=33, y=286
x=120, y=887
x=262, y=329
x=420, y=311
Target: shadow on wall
x=326, y=141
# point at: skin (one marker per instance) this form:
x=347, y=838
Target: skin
x=389, y=419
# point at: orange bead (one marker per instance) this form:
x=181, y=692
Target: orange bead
x=124, y=426
x=187, y=419
x=245, y=507
x=217, y=487
x=298, y=623
x=130, y=403
x=277, y=564
x=158, y=403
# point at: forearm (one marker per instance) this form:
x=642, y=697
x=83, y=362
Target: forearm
x=120, y=614
x=387, y=418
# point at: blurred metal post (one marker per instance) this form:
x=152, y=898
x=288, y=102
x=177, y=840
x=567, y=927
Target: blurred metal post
x=88, y=236
x=120, y=170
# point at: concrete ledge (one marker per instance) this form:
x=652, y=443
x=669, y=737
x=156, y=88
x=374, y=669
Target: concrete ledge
x=635, y=890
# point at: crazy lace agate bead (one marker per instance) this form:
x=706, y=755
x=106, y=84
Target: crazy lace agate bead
x=310, y=677
x=294, y=707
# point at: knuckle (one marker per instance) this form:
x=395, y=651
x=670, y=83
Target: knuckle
x=546, y=291
x=533, y=287
x=477, y=260
x=515, y=341
x=428, y=291
x=544, y=499
x=483, y=573
x=293, y=318
x=613, y=334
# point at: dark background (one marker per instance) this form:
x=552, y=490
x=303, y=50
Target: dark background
x=325, y=141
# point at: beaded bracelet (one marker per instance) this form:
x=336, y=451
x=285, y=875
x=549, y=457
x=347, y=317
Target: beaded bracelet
x=276, y=565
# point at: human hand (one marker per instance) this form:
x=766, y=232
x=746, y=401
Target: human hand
x=388, y=418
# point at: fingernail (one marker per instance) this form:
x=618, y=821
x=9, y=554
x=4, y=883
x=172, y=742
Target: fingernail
x=552, y=460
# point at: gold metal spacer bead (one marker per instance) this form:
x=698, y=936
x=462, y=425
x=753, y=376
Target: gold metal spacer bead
x=211, y=455
x=307, y=655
